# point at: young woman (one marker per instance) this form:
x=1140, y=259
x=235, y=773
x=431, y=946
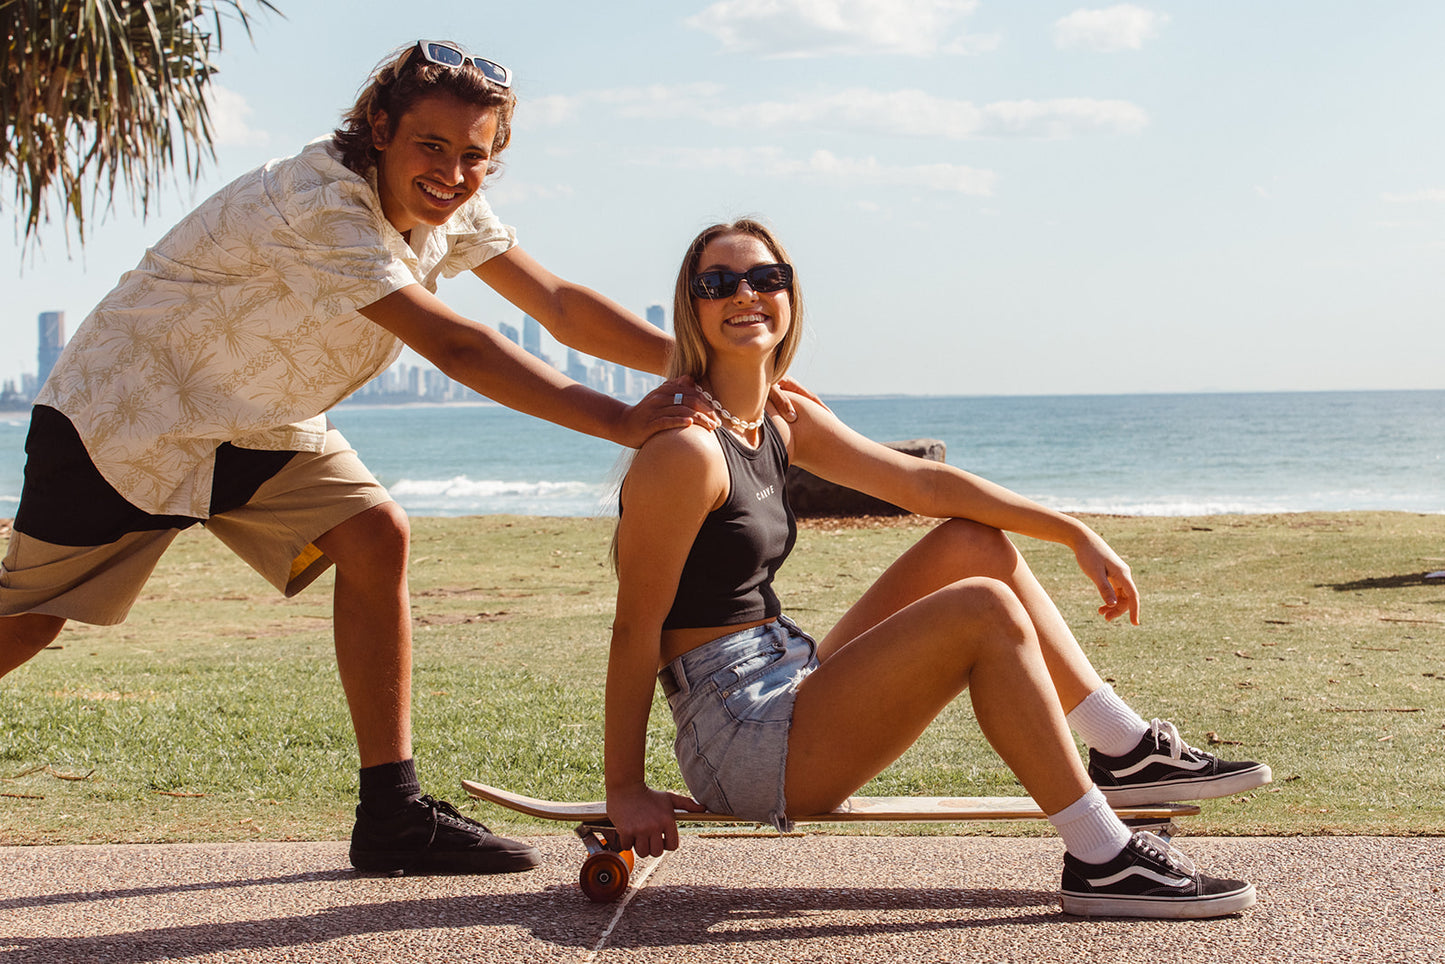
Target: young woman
x=770, y=724
x=195, y=392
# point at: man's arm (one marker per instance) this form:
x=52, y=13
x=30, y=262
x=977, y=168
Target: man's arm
x=576, y=315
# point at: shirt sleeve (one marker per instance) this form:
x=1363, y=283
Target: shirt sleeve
x=475, y=235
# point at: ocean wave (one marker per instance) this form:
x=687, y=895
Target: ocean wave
x=461, y=495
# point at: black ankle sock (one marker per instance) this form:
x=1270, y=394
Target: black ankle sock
x=388, y=787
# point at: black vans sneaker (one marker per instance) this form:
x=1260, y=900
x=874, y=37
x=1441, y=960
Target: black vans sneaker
x=1149, y=878
x=1163, y=768
x=429, y=836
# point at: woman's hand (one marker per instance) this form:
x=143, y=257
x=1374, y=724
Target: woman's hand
x=644, y=818
x=1111, y=574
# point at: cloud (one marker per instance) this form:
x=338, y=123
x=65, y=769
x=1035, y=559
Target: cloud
x=816, y=28
x=915, y=113
x=516, y=192
x=1429, y=194
x=1064, y=117
x=910, y=113
x=826, y=166
x=229, y=115
x=1120, y=27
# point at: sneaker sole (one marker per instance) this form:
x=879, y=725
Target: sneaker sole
x=1201, y=789
x=1164, y=908
x=410, y=862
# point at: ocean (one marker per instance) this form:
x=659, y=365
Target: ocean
x=1166, y=455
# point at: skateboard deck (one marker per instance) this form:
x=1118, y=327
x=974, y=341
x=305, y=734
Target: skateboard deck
x=605, y=872
x=855, y=809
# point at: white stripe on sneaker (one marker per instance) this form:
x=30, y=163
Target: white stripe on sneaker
x=1127, y=872
x=1159, y=758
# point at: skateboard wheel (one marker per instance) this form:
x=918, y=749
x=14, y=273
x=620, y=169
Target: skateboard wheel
x=629, y=859
x=604, y=876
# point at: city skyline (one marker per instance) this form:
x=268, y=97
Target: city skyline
x=410, y=378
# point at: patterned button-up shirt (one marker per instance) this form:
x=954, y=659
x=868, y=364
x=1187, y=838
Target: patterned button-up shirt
x=241, y=325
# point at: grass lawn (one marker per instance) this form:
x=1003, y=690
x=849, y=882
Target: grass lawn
x=1311, y=642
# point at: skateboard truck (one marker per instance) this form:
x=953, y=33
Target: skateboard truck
x=1164, y=828
x=607, y=868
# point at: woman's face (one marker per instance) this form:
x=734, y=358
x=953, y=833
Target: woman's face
x=433, y=160
x=746, y=320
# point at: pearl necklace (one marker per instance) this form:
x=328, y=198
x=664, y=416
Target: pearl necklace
x=738, y=423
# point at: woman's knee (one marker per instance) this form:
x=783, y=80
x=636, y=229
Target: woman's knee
x=990, y=610
x=975, y=547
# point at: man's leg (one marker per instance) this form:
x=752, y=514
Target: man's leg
x=21, y=637
x=325, y=508
x=372, y=626
x=397, y=828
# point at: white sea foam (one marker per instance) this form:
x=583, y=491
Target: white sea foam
x=461, y=495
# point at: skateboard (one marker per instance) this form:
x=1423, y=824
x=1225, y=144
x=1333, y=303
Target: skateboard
x=606, y=870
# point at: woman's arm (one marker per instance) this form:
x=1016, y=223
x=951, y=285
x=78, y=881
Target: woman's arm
x=674, y=482
x=576, y=315
x=823, y=445
x=481, y=359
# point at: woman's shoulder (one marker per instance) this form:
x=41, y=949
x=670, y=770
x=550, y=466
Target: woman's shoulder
x=689, y=454
x=677, y=446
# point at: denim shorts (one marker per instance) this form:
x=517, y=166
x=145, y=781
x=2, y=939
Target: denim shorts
x=732, y=701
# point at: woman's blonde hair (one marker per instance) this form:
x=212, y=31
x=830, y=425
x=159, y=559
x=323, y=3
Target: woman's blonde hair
x=689, y=355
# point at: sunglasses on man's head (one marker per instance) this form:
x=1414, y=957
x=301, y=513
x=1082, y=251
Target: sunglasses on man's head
x=721, y=284
x=448, y=54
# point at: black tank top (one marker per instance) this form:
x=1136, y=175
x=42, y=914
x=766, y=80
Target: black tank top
x=728, y=577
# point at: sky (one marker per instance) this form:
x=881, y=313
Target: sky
x=980, y=197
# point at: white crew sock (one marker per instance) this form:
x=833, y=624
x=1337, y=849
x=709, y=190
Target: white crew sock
x=1090, y=830
x=1107, y=723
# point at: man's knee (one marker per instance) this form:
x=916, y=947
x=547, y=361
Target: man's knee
x=381, y=532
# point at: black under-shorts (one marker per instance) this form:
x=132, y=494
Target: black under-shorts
x=66, y=501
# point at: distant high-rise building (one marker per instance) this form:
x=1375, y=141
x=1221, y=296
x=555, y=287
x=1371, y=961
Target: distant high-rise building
x=576, y=367
x=438, y=386
x=656, y=316
x=52, y=340
x=509, y=332
x=532, y=336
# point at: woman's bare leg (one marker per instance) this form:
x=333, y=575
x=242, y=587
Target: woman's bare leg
x=872, y=698
x=959, y=549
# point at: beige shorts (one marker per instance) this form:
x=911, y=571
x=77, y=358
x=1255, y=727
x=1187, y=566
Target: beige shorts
x=272, y=533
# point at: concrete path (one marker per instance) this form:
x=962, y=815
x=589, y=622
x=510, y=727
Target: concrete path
x=817, y=898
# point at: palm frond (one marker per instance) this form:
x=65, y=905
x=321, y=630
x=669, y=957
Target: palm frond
x=100, y=93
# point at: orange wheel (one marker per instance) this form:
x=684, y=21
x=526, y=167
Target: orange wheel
x=628, y=859
x=604, y=876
